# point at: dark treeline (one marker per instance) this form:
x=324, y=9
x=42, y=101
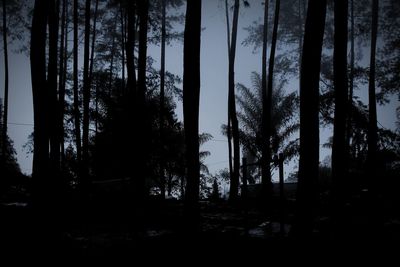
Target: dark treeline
x=107, y=140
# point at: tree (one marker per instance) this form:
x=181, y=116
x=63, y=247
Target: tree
x=63, y=60
x=372, y=120
x=141, y=116
x=283, y=124
x=5, y=50
x=39, y=92
x=339, y=149
x=309, y=120
x=52, y=83
x=9, y=166
x=191, y=102
x=234, y=185
x=267, y=102
x=162, y=87
x=76, y=87
x=86, y=101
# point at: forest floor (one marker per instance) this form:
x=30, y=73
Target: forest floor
x=240, y=228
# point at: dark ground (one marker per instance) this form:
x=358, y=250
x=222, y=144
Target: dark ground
x=109, y=227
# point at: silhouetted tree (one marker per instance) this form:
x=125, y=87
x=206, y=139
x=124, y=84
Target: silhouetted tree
x=234, y=184
x=40, y=98
x=76, y=112
x=372, y=120
x=5, y=113
x=267, y=105
x=191, y=102
x=142, y=122
x=130, y=46
x=63, y=61
x=162, y=89
x=309, y=120
x=283, y=120
x=52, y=83
x=229, y=128
x=86, y=101
x=339, y=150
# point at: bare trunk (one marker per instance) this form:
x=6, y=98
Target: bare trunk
x=229, y=129
x=77, y=114
x=162, y=96
x=142, y=140
x=309, y=118
x=93, y=41
x=339, y=155
x=265, y=169
x=52, y=87
x=62, y=77
x=130, y=46
x=86, y=101
x=122, y=46
x=5, y=114
x=351, y=80
x=39, y=93
x=372, y=127
x=191, y=102
x=234, y=185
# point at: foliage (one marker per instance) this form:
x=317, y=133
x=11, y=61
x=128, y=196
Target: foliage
x=284, y=125
x=8, y=161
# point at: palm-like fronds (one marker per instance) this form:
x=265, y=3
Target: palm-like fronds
x=283, y=123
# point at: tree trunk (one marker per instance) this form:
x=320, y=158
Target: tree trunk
x=62, y=78
x=191, y=102
x=351, y=81
x=309, y=120
x=39, y=92
x=162, y=97
x=339, y=155
x=372, y=127
x=265, y=169
x=110, y=81
x=93, y=42
x=86, y=101
x=130, y=46
x=142, y=140
x=52, y=87
x=234, y=184
x=77, y=114
x=229, y=129
x=122, y=46
x=5, y=114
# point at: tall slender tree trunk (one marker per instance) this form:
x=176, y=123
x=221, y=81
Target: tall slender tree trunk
x=309, y=120
x=77, y=115
x=229, y=129
x=142, y=140
x=266, y=97
x=234, y=184
x=372, y=122
x=351, y=80
x=40, y=107
x=191, y=102
x=54, y=132
x=267, y=110
x=162, y=97
x=339, y=151
x=5, y=114
x=93, y=41
x=62, y=78
x=130, y=46
x=86, y=101
x=111, y=74
x=122, y=46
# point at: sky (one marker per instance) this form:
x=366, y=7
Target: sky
x=214, y=85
